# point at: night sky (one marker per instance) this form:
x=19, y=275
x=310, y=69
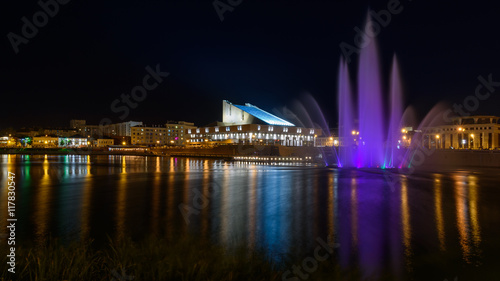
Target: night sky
x=269, y=53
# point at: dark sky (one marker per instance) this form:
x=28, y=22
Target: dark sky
x=269, y=53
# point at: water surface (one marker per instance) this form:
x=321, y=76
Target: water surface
x=425, y=226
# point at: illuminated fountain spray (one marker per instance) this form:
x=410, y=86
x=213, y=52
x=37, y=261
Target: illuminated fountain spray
x=370, y=109
x=373, y=143
x=394, y=152
x=346, y=118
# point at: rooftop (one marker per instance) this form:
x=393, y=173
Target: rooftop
x=263, y=115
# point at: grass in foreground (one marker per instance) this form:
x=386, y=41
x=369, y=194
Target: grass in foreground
x=154, y=259
x=151, y=259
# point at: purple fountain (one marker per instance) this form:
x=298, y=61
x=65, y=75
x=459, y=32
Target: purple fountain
x=374, y=141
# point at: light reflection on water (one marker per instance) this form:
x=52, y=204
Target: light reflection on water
x=282, y=209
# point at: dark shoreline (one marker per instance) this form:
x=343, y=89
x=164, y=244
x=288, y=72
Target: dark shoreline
x=70, y=152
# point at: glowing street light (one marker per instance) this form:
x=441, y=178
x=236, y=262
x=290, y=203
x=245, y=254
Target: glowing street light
x=124, y=143
x=403, y=131
x=437, y=136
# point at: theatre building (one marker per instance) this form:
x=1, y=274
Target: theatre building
x=248, y=124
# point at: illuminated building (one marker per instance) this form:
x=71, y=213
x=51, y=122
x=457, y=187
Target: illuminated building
x=117, y=129
x=248, y=124
x=327, y=141
x=145, y=135
x=54, y=141
x=176, y=132
x=45, y=142
x=249, y=114
x=471, y=132
x=103, y=142
x=9, y=141
x=73, y=141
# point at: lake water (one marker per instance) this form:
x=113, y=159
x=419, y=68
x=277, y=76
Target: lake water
x=424, y=226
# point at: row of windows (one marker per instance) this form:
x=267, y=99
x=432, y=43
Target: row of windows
x=249, y=135
x=162, y=129
x=156, y=134
x=177, y=127
x=473, y=128
x=239, y=128
x=149, y=130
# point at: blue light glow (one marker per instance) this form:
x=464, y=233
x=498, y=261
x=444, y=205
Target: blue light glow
x=263, y=115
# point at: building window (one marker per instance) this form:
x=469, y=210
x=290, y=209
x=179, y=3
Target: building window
x=197, y=131
x=258, y=127
x=228, y=129
x=239, y=128
x=270, y=128
x=299, y=130
x=285, y=129
x=206, y=130
x=216, y=129
x=311, y=132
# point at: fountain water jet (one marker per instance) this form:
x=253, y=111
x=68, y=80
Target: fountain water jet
x=371, y=127
x=393, y=147
x=375, y=143
x=346, y=117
